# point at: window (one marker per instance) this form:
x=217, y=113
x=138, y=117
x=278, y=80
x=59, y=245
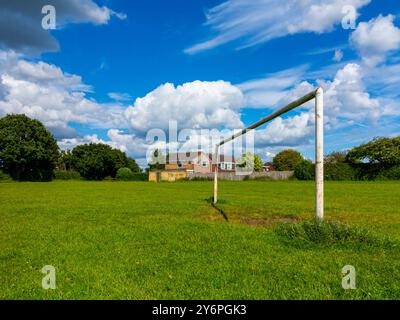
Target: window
x=229, y=166
x=205, y=164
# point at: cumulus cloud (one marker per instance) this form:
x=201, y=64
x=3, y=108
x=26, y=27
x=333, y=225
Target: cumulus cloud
x=348, y=98
x=198, y=104
x=44, y=92
x=347, y=102
x=117, y=139
x=19, y=16
x=375, y=39
x=286, y=132
x=259, y=21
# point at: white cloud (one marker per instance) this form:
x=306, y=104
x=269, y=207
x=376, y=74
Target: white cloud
x=346, y=100
x=272, y=88
x=260, y=21
x=117, y=139
x=128, y=143
x=71, y=143
x=47, y=74
x=347, y=97
x=119, y=96
x=287, y=132
x=376, y=38
x=44, y=92
x=198, y=104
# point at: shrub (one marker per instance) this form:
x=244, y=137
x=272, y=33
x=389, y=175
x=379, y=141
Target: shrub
x=4, y=176
x=305, y=170
x=140, y=176
x=124, y=174
x=324, y=232
x=66, y=175
x=339, y=172
x=392, y=173
x=287, y=160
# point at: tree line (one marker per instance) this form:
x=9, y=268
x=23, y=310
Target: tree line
x=379, y=159
x=29, y=152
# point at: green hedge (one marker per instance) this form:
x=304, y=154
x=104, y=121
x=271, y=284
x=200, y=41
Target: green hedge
x=4, y=176
x=392, y=173
x=66, y=175
x=339, y=172
x=304, y=170
x=140, y=177
x=125, y=174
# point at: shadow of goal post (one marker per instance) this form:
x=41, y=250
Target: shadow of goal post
x=318, y=95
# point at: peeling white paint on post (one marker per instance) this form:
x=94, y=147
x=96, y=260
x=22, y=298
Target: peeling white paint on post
x=319, y=154
x=216, y=175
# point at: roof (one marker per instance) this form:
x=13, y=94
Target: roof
x=191, y=155
x=183, y=156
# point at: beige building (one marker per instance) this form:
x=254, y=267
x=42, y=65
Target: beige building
x=179, y=165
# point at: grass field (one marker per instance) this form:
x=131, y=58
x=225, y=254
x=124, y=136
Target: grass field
x=139, y=240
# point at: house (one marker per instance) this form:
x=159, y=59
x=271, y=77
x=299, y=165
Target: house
x=268, y=166
x=179, y=165
x=197, y=161
x=226, y=163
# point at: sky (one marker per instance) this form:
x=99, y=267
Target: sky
x=126, y=73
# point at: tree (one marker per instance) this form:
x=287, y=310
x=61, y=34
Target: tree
x=336, y=167
x=28, y=151
x=336, y=157
x=157, y=161
x=65, y=160
x=305, y=170
x=382, y=151
x=97, y=161
x=250, y=161
x=287, y=160
x=124, y=174
x=131, y=164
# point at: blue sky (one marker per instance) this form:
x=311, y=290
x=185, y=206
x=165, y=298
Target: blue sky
x=250, y=58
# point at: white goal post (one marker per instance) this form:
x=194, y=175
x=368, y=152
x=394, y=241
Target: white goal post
x=318, y=95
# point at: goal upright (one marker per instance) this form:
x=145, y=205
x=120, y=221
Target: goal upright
x=318, y=96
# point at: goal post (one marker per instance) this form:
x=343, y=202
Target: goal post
x=318, y=95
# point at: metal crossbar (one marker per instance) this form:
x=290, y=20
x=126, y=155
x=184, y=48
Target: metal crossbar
x=319, y=144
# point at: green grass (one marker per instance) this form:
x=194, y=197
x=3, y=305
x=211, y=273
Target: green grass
x=140, y=240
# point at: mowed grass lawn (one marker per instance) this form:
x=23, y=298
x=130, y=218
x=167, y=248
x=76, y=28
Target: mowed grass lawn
x=140, y=240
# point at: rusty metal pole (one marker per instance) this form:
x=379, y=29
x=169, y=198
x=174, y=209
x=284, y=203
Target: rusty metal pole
x=216, y=175
x=319, y=154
